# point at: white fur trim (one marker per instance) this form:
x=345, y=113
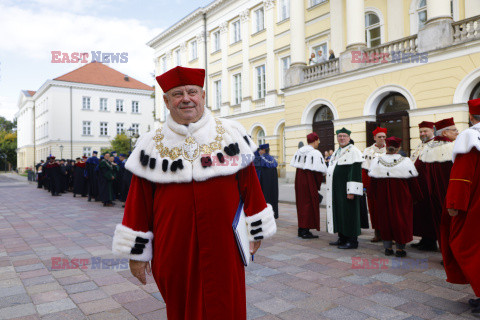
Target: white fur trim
x=347, y=156
x=124, y=241
x=418, y=151
x=370, y=154
x=329, y=194
x=401, y=167
x=268, y=224
x=309, y=158
x=204, y=132
x=355, y=188
x=437, y=151
x=467, y=140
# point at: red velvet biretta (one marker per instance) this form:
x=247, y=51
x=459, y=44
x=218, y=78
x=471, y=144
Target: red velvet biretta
x=426, y=124
x=379, y=130
x=444, y=123
x=180, y=76
x=312, y=137
x=393, y=142
x=474, y=106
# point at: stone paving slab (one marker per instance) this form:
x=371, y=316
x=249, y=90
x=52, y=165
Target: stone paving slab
x=291, y=278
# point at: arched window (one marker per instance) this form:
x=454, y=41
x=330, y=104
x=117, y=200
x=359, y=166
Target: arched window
x=393, y=102
x=475, y=92
x=323, y=114
x=373, y=34
x=422, y=13
x=260, y=137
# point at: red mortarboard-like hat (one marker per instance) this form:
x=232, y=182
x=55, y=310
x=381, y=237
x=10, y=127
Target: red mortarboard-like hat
x=312, y=137
x=52, y=157
x=393, y=142
x=474, y=106
x=426, y=124
x=180, y=76
x=379, y=130
x=444, y=123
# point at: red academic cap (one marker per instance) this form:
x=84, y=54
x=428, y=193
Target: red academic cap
x=426, y=124
x=474, y=106
x=444, y=123
x=312, y=137
x=379, y=130
x=84, y=157
x=52, y=158
x=393, y=142
x=180, y=76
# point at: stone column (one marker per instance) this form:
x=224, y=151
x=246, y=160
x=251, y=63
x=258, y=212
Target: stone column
x=355, y=16
x=336, y=27
x=438, y=31
x=472, y=8
x=200, y=38
x=395, y=20
x=297, y=44
x=270, y=98
x=245, y=34
x=225, y=108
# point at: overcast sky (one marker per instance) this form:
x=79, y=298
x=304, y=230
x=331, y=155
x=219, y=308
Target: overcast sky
x=31, y=29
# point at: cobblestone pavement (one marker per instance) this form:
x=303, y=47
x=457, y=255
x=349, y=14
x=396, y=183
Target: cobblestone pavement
x=291, y=278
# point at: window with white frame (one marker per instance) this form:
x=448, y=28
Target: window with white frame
x=193, y=50
x=164, y=64
x=103, y=104
x=373, y=35
x=236, y=31
x=422, y=13
x=136, y=128
x=119, y=105
x=283, y=10
x=178, y=60
x=237, y=88
x=134, y=106
x=86, y=128
x=216, y=41
x=284, y=65
x=87, y=151
x=259, y=20
x=86, y=103
x=260, y=81
x=315, y=2
x=260, y=137
x=217, y=87
x=119, y=128
x=104, y=128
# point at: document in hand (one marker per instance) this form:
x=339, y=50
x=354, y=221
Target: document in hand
x=240, y=232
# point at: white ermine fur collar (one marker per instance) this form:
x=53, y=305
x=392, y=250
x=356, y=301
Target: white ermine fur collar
x=371, y=153
x=308, y=158
x=346, y=156
x=467, y=140
x=392, y=166
x=200, y=151
x=437, y=151
x=418, y=151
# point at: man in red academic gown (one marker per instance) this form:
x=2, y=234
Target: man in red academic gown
x=423, y=225
x=188, y=178
x=310, y=170
x=370, y=154
x=394, y=184
x=460, y=241
x=437, y=157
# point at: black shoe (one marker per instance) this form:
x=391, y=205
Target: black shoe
x=400, y=253
x=337, y=243
x=389, y=252
x=74, y=195
x=349, y=245
x=476, y=311
x=474, y=303
x=309, y=235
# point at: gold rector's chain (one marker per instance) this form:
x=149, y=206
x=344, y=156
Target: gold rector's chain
x=175, y=152
x=390, y=164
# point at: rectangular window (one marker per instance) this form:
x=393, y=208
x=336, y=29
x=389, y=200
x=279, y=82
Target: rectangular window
x=119, y=128
x=178, y=60
x=260, y=75
x=104, y=128
x=237, y=89
x=236, y=34
x=284, y=10
x=217, y=86
x=193, y=50
x=285, y=64
x=86, y=103
x=259, y=20
x=136, y=128
x=86, y=128
x=87, y=151
x=216, y=41
x=119, y=105
x=134, y=106
x=103, y=104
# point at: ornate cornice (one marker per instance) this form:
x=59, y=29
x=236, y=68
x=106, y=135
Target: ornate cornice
x=269, y=4
x=223, y=27
x=245, y=15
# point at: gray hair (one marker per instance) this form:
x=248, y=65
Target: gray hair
x=439, y=132
x=476, y=117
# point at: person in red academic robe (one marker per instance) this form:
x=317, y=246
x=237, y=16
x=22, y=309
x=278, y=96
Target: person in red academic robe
x=461, y=219
x=437, y=157
x=308, y=179
x=370, y=154
x=187, y=181
x=394, y=184
x=423, y=225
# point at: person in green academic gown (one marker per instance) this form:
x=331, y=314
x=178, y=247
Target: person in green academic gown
x=344, y=189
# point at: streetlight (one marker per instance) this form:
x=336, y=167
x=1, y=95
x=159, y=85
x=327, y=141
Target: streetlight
x=61, y=151
x=130, y=133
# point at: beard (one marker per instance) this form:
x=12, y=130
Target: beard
x=424, y=138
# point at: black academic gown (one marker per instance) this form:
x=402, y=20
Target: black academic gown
x=107, y=173
x=266, y=167
x=55, y=177
x=92, y=178
x=126, y=178
x=79, y=181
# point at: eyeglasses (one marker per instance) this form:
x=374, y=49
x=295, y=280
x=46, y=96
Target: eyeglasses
x=454, y=130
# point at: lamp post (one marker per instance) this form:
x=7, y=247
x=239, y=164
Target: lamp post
x=61, y=151
x=130, y=132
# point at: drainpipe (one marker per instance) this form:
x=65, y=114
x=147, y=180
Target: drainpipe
x=71, y=125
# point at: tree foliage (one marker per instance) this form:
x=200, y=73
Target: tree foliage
x=8, y=142
x=120, y=144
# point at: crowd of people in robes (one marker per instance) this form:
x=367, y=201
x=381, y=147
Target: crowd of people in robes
x=434, y=194
x=102, y=179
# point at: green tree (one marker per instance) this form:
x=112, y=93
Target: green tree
x=121, y=143
x=8, y=142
